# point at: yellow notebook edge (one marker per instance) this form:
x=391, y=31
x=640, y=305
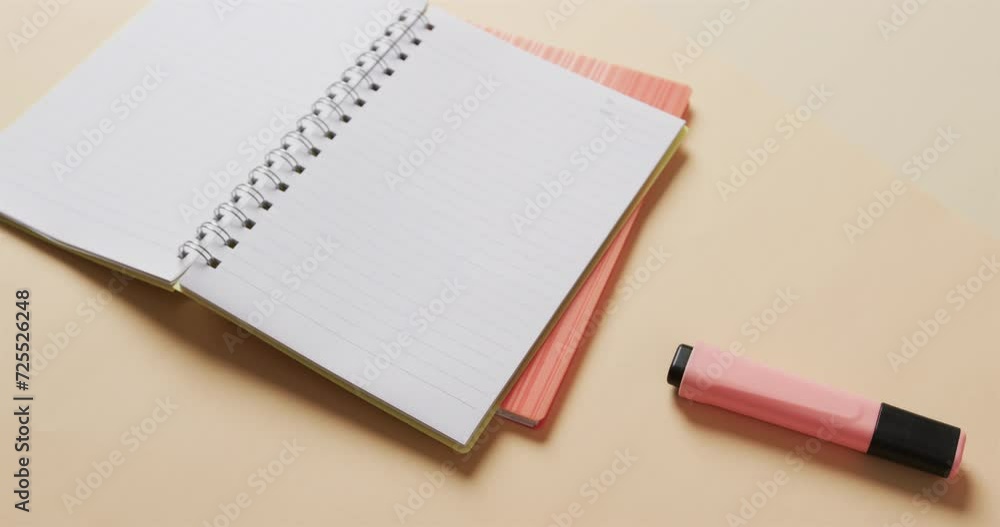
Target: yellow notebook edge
x=113, y=265
x=323, y=372
x=410, y=420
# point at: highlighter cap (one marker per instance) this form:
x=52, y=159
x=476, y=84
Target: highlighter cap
x=917, y=441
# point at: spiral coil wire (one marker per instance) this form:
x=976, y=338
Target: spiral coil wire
x=368, y=66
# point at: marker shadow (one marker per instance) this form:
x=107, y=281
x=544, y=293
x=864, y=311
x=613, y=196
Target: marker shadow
x=906, y=481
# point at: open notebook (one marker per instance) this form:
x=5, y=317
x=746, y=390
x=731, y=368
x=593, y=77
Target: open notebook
x=405, y=210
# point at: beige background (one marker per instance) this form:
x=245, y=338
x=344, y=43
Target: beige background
x=693, y=465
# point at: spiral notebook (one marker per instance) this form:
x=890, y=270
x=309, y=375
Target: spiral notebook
x=407, y=211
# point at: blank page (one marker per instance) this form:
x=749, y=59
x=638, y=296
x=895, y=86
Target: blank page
x=424, y=251
x=129, y=154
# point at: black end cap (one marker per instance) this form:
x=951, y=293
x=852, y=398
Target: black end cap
x=676, y=372
x=914, y=440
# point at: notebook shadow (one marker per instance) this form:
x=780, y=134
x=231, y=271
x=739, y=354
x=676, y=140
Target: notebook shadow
x=204, y=332
x=541, y=432
x=689, y=115
x=924, y=490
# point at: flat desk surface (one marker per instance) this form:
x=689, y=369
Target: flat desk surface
x=254, y=433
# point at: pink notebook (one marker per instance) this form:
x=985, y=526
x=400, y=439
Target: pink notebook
x=531, y=397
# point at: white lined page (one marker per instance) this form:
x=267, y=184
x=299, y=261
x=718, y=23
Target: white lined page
x=211, y=79
x=436, y=260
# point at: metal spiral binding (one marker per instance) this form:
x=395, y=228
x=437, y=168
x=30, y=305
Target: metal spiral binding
x=344, y=92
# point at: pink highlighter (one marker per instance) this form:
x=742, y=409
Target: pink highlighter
x=707, y=375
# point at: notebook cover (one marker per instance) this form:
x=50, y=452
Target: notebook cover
x=529, y=400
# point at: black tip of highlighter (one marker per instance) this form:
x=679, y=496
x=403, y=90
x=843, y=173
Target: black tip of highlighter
x=676, y=372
